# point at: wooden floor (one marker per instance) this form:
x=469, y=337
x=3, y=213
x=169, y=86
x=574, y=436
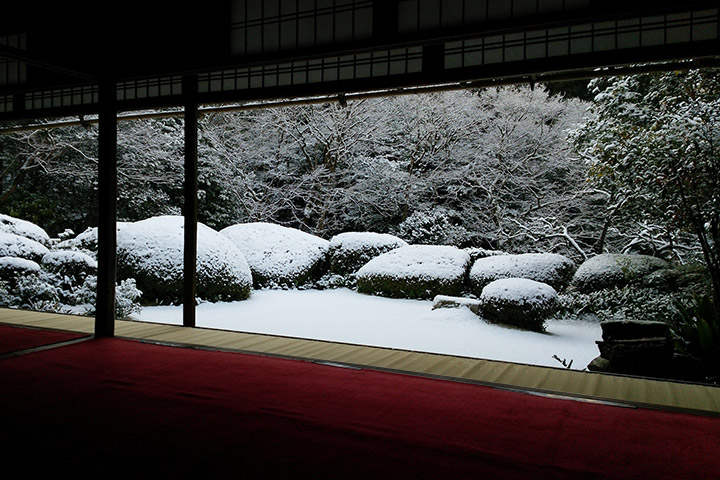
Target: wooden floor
x=579, y=385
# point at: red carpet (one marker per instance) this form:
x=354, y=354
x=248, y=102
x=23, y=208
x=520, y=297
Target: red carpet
x=13, y=339
x=124, y=408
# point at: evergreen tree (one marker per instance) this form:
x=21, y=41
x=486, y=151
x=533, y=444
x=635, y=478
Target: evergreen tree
x=655, y=142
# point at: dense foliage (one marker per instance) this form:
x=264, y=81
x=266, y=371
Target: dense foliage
x=489, y=168
x=654, y=150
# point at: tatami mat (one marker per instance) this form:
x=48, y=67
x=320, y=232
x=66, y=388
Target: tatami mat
x=629, y=391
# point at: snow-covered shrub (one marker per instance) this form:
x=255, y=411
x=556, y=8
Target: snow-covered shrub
x=24, y=284
x=629, y=302
x=24, y=228
x=614, y=270
x=433, y=227
x=279, y=256
x=127, y=296
x=12, y=245
x=415, y=271
x=87, y=241
x=551, y=268
x=348, y=252
x=12, y=268
x=151, y=251
x=518, y=301
x=61, y=280
x=71, y=263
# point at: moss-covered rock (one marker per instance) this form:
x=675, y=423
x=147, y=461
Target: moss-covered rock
x=415, y=271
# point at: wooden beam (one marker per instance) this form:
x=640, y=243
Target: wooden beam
x=190, y=209
x=107, y=211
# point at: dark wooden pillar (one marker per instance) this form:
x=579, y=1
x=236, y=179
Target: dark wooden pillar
x=107, y=210
x=190, y=210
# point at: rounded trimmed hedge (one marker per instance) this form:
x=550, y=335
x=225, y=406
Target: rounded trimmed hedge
x=349, y=251
x=72, y=263
x=610, y=270
x=415, y=271
x=13, y=267
x=24, y=228
x=279, y=256
x=550, y=268
x=519, y=302
x=151, y=251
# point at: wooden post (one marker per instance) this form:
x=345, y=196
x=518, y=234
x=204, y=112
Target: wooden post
x=107, y=210
x=190, y=208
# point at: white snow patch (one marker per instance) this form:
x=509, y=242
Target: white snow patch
x=346, y=316
x=441, y=301
x=419, y=261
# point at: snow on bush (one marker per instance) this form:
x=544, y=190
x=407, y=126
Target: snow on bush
x=151, y=252
x=279, y=256
x=437, y=226
x=12, y=267
x=519, y=301
x=551, y=268
x=415, y=271
x=25, y=284
x=12, y=245
x=24, y=228
x=61, y=280
x=610, y=270
x=87, y=241
x=71, y=263
x=349, y=251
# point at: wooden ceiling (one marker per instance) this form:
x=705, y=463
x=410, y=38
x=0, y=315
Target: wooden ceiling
x=54, y=54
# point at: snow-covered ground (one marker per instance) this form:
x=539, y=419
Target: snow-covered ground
x=344, y=315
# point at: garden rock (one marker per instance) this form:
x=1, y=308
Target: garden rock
x=415, y=271
x=519, y=302
x=349, y=251
x=635, y=347
x=151, y=252
x=550, y=268
x=445, y=301
x=279, y=256
x=615, y=270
